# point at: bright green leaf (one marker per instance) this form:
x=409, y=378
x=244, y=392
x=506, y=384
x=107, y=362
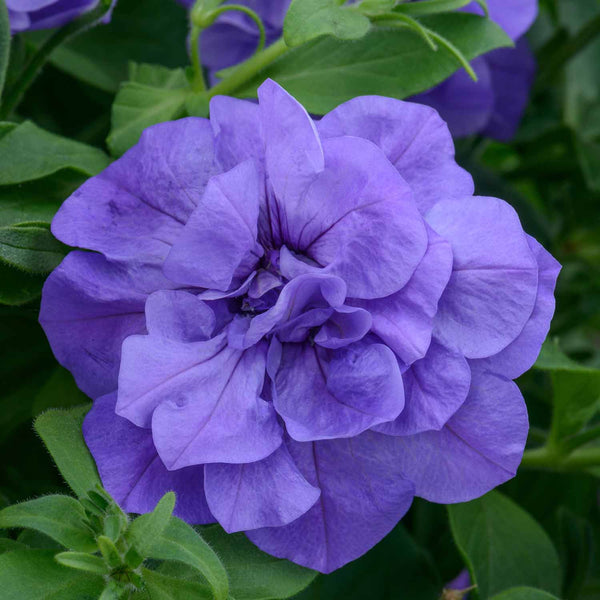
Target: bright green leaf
x=61, y=432
x=35, y=575
x=181, y=543
x=254, y=575
x=503, y=546
x=28, y=152
x=30, y=247
x=576, y=397
x=146, y=529
x=306, y=20
x=60, y=517
x=82, y=562
x=152, y=95
x=396, y=63
x=524, y=593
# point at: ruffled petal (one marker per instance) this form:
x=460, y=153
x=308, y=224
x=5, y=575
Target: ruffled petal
x=363, y=496
x=520, y=355
x=493, y=287
x=435, y=388
x=89, y=306
x=131, y=470
x=413, y=137
x=324, y=394
x=267, y=493
x=219, y=241
x=479, y=448
x=404, y=320
x=202, y=399
x=136, y=208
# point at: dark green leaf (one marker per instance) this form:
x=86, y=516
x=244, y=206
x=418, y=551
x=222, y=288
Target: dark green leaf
x=181, y=543
x=153, y=31
x=254, y=575
x=35, y=575
x=61, y=432
x=82, y=562
x=19, y=287
x=8, y=545
x=396, y=63
x=152, y=95
x=28, y=152
x=576, y=548
x=30, y=247
x=60, y=517
x=306, y=20
x=504, y=546
x=4, y=43
x=524, y=593
x=576, y=397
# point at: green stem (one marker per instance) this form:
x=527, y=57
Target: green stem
x=247, y=11
x=567, y=51
x=198, y=83
x=551, y=458
x=15, y=93
x=247, y=70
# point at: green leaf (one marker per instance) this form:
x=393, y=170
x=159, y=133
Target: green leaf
x=153, y=31
x=431, y=7
x=145, y=530
x=306, y=20
x=4, y=43
x=59, y=517
x=61, y=432
x=254, y=575
x=19, y=287
x=503, y=546
x=162, y=587
x=396, y=63
x=576, y=388
x=8, y=545
x=82, y=562
x=152, y=95
x=180, y=542
x=524, y=593
x=30, y=247
x=28, y=152
x=35, y=575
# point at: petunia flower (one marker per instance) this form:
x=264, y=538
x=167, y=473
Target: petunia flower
x=28, y=15
x=298, y=326
x=492, y=106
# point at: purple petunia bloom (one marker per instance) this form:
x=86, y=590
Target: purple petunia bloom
x=298, y=326
x=27, y=15
x=493, y=106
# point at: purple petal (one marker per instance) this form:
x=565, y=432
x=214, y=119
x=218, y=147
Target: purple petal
x=493, y=287
x=268, y=493
x=323, y=394
x=179, y=316
x=345, y=326
x=89, y=306
x=435, y=388
x=131, y=470
x=361, y=186
x=479, y=448
x=363, y=496
x=237, y=129
x=514, y=16
x=137, y=207
x=413, y=137
x=512, y=71
x=218, y=242
x=294, y=155
x=520, y=355
x=465, y=105
x=208, y=407
x=404, y=320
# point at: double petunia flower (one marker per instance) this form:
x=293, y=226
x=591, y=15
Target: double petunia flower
x=298, y=326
